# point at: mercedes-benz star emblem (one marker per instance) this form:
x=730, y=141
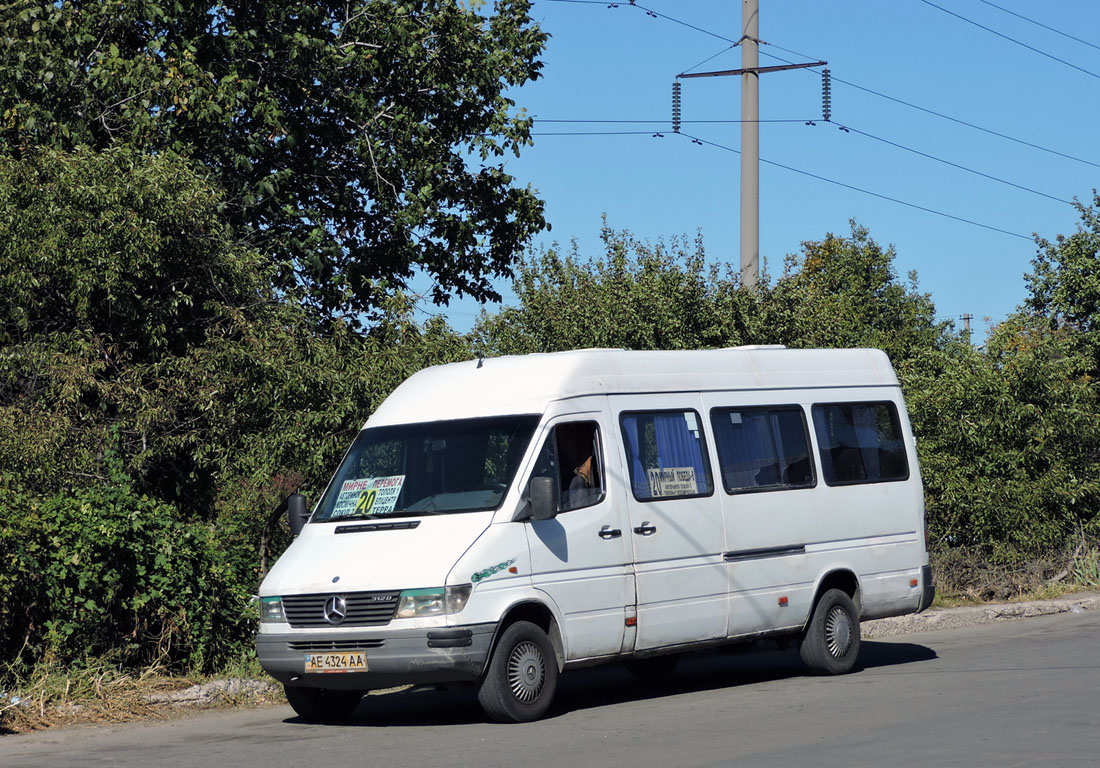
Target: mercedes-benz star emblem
x=336, y=609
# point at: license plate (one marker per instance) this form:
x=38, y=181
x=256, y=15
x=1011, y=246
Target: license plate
x=355, y=661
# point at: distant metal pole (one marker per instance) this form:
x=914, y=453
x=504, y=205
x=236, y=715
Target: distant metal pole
x=750, y=143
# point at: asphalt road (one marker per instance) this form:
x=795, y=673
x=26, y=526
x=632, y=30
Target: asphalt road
x=1022, y=693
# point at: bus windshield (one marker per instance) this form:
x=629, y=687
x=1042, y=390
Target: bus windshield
x=434, y=468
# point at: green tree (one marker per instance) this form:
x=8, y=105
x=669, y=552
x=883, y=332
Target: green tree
x=1009, y=440
x=637, y=295
x=839, y=292
x=845, y=292
x=131, y=316
x=158, y=397
x=357, y=142
x=1065, y=285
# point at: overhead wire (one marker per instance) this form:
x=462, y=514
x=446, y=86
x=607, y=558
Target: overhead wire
x=848, y=128
x=1011, y=39
x=664, y=121
x=861, y=190
x=932, y=112
x=649, y=12
x=1040, y=24
x=697, y=140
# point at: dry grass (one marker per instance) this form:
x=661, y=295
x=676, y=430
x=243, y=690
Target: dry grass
x=99, y=692
x=971, y=575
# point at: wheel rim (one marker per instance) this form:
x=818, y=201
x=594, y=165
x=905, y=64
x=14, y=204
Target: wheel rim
x=838, y=632
x=526, y=671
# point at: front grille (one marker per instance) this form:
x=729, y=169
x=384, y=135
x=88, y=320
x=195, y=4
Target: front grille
x=334, y=645
x=364, y=609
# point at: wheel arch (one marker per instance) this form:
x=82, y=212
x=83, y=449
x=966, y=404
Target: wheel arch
x=540, y=615
x=843, y=579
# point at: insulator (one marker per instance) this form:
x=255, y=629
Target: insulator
x=676, y=107
x=826, y=95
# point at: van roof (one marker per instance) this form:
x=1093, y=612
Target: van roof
x=528, y=383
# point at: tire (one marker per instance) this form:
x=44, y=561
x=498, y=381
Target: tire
x=654, y=667
x=320, y=705
x=522, y=677
x=830, y=644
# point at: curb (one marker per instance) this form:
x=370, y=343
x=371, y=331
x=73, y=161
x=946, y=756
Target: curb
x=953, y=618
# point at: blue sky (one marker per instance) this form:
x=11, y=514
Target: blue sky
x=619, y=63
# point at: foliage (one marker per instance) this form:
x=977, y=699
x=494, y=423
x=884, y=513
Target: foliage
x=356, y=141
x=102, y=570
x=154, y=384
x=845, y=292
x=1008, y=440
x=1065, y=286
x=840, y=292
x=637, y=296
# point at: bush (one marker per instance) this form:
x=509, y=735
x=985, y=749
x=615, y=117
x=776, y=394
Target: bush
x=103, y=571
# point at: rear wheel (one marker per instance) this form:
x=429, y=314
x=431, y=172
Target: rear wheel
x=522, y=677
x=830, y=644
x=320, y=705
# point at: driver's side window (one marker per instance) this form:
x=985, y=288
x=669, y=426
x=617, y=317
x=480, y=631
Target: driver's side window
x=572, y=456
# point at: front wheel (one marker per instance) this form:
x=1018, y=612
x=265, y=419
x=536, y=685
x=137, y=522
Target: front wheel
x=522, y=677
x=319, y=705
x=830, y=644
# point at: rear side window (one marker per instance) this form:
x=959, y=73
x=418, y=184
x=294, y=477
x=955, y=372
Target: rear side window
x=666, y=454
x=762, y=448
x=860, y=443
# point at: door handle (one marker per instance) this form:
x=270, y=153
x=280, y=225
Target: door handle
x=607, y=532
x=645, y=529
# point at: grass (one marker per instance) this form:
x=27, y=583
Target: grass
x=98, y=691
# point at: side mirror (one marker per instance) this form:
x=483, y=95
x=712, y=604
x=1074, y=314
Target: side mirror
x=297, y=514
x=542, y=492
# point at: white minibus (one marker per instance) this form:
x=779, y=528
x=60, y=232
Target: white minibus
x=500, y=521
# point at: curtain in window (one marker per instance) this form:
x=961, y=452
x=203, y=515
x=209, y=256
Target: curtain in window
x=637, y=472
x=678, y=447
x=864, y=417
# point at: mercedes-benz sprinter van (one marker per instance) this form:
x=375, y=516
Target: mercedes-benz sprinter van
x=501, y=521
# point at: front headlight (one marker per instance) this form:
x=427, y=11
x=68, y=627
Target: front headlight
x=433, y=601
x=271, y=609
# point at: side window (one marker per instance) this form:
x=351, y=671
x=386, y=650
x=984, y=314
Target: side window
x=571, y=455
x=860, y=443
x=666, y=454
x=762, y=448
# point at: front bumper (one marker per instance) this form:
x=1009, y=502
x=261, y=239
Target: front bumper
x=403, y=657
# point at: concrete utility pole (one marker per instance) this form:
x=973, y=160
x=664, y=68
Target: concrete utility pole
x=750, y=143
x=750, y=133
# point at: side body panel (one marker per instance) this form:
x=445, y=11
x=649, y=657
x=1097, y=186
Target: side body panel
x=577, y=558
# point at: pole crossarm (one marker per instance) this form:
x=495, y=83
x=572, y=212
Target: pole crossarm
x=750, y=70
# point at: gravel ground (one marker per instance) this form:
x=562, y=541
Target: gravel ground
x=951, y=618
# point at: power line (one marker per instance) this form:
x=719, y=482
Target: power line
x=802, y=120
x=850, y=84
x=649, y=12
x=1011, y=39
x=697, y=140
x=849, y=128
x=708, y=58
x=594, y=133
x=933, y=112
x=1040, y=24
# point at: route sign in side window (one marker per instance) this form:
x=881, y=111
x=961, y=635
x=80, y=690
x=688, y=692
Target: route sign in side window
x=666, y=454
x=762, y=449
x=860, y=443
x=571, y=455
